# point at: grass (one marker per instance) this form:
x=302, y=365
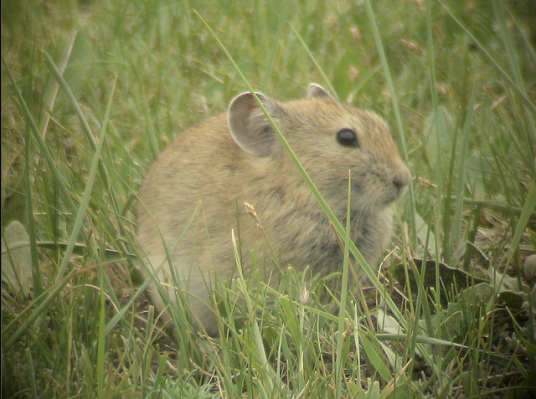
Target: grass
x=93, y=91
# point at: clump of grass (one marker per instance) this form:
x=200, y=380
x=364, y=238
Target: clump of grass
x=93, y=91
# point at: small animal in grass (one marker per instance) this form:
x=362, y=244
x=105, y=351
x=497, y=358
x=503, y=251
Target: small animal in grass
x=214, y=176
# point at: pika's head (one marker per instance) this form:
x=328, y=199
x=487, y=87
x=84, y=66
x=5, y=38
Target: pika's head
x=334, y=142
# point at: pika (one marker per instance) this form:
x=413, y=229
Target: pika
x=192, y=198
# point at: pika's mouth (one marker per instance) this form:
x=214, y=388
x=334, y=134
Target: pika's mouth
x=401, y=179
x=382, y=191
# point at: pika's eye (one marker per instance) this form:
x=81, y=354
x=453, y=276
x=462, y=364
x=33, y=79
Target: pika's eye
x=347, y=138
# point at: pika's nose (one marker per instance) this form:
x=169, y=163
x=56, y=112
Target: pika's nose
x=402, y=177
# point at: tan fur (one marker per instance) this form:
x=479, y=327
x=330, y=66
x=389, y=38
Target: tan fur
x=214, y=169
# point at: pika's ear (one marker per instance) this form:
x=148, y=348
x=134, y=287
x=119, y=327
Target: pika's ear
x=248, y=125
x=315, y=90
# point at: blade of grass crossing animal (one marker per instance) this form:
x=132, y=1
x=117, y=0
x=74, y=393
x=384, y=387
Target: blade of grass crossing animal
x=341, y=329
x=264, y=369
x=333, y=219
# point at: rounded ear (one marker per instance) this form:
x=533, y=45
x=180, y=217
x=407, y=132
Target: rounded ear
x=248, y=125
x=315, y=90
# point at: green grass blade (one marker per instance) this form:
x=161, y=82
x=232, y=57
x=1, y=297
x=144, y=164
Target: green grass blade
x=528, y=208
x=36, y=269
x=323, y=204
x=119, y=315
x=371, y=346
x=439, y=177
x=88, y=190
x=81, y=249
x=327, y=81
x=31, y=375
x=457, y=220
x=341, y=328
x=492, y=60
x=101, y=342
x=51, y=91
x=42, y=146
x=276, y=43
x=74, y=102
x=396, y=109
x=60, y=281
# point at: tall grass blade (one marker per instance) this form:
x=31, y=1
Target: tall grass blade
x=268, y=376
x=119, y=315
x=396, y=109
x=492, y=60
x=515, y=68
x=31, y=375
x=88, y=189
x=341, y=328
x=42, y=146
x=60, y=281
x=460, y=181
x=438, y=212
x=101, y=341
x=51, y=91
x=276, y=43
x=327, y=81
x=323, y=204
x=34, y=254
x=528, y=208
x=85, y=125
x=371, y=346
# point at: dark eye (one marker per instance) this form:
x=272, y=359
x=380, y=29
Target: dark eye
x=347, y=138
